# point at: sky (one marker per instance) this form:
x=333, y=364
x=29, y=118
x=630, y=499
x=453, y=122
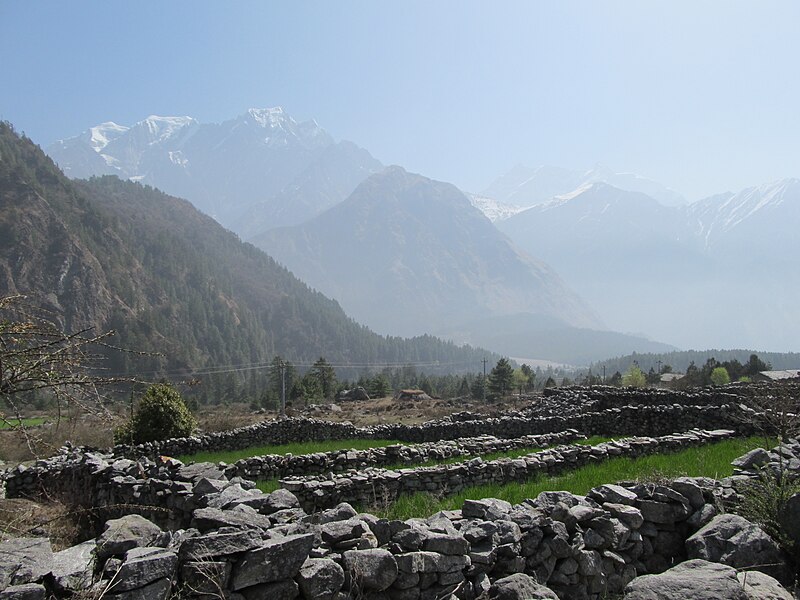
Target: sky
x=702, y=96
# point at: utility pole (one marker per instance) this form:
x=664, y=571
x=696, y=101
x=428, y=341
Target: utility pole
x=604, y=373
x=283, y=389
x=484, y=381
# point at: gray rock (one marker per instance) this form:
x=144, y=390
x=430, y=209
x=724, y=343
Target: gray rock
x=273, y=561
x=488, y=508
x=197, y=471
x=25, y=591
x=371, y=570
x=24, y=560
x=125, y=533
x=446, y=544
x=657, y=512
x=690, y=580
x=216, y=545
x=519, y=587
x=613, y=493
x=630, y=515
x=760, y=586
x=206, y=519
x=751, y=460
x=158, y=590
x=320, y=578
x=736, y=542
x=339, y=531
x=790, y=520
x=72, y=568
x=279, y=590
x=143, y=566
x=281, y=499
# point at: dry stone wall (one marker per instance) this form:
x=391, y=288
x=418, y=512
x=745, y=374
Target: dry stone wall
x=242, y=544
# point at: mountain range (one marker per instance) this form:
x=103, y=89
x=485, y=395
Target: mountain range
x=113, y=254
x=261, y=163
x=585, y=251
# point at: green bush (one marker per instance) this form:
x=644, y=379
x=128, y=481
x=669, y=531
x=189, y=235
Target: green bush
x=161, y=414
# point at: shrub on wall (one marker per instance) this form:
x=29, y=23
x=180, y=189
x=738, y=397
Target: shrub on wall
x=161, y=414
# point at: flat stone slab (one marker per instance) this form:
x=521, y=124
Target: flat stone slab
x=24, y=560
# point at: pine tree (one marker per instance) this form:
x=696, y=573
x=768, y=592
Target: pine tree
x=501, y=379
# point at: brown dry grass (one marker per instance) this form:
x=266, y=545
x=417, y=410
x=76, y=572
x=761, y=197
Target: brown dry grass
x=37, y=442
x=20, y=518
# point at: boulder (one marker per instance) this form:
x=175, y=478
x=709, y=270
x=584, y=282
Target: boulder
x=519, y=587
x=72, y=568
x=320, y=578
x=142, y=567
x=691, y=580
x=734, y=541
x=370, y=570
x=273, y=561
x=760, y=586
x=126, y=533
x=26, y=591
x=24, y=560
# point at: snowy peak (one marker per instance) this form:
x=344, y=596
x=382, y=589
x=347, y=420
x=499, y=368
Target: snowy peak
x=765, y=206
x=161, y=129
x=269, y=117
x=99, y=136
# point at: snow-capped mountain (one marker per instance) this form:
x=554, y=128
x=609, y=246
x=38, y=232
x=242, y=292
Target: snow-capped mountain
x=766, y=212
x=528, y=186
x=494, y=210
x=224, y=168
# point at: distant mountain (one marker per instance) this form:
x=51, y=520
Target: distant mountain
x=261, y=156
x=406, y=254
x=526, y=186
x=106, y=253
x=328, y=180
x=721, y=271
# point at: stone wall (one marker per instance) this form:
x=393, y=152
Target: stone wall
x=373, y=486
x=652, y=420
x=238, y=540
x=275, y=466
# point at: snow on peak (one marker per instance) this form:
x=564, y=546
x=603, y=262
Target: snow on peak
x=269, y=117
x=101, y=135
x=163, y=128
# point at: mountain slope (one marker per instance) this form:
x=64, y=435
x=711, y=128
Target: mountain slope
x=114, y=254
x=404, y=253
x=223, y=169
x=526, y=186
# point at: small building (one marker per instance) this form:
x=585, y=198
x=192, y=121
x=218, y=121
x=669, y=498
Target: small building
x=668, y=378
x=785, y=375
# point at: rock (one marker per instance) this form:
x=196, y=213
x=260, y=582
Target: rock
x=279, y=590
x=760, y=586
x=24, y=560
x=519, y=587
x=206, y=577
x=339, y=531
x=280, y=499
x=320, y=578
x=126, y=533
x=219, y=544
x=751, y=460
x=734, y=541
x=197, y=471
x=446, y=544
x=630, y=515
x=143, y=566
x=691, y=580
x=25, y=591
x=613, y=493
x=488, y=509
x=371, y=570
x=790, y=520
x=72, y=568
x=206, y=519
x=158, y=590
x=273, y=561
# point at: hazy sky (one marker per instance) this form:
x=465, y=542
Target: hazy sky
x=702, y=96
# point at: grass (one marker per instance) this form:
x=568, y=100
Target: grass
x=231, y=456
x=712, y=460
x=29, y=422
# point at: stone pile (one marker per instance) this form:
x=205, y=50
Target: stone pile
x=244, y=545
x=274, y=466
x=373, y=486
